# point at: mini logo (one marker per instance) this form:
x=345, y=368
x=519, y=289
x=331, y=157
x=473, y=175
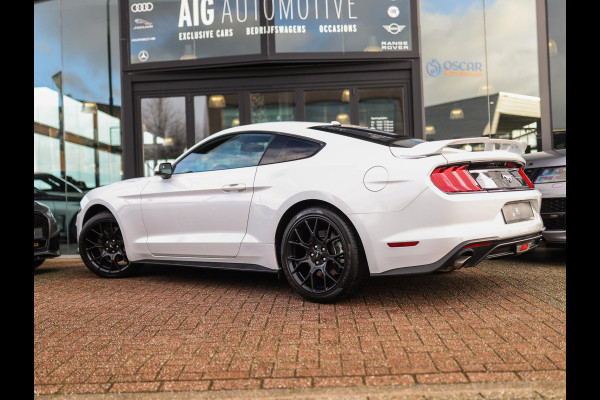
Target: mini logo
x=142, y=7
x=394, y=28
x=507, y=178
x=143, y=56
x=434, y=68
x=393, y=11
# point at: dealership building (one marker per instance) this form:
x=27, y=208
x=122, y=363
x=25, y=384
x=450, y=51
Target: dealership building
x=122, y=85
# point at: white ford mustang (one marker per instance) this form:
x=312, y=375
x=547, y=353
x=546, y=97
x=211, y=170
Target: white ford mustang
x=326, y=205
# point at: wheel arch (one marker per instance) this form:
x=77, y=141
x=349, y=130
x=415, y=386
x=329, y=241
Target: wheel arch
x=301, y=205
x=94, y=210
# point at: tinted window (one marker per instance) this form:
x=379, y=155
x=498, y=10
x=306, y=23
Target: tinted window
x=226, y=152
x=371, y=135
x=286, y=148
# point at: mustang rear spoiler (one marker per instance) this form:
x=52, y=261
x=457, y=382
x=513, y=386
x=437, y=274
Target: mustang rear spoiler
x=438, y=146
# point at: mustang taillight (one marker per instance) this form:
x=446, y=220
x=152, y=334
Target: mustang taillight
x=454, y=179
x=522, y=173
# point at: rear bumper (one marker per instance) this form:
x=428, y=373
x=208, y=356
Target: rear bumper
x=439, y=224
x=470, y=253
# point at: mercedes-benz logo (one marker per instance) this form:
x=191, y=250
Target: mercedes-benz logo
x=143, y=55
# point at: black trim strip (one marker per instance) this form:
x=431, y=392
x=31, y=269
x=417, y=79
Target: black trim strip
x=211, y=265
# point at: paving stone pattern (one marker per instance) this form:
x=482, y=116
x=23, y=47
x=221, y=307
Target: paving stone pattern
x=196, y=330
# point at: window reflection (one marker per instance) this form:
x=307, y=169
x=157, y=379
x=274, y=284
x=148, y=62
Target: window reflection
x=76, y=144
x=163, y=126
x=327, y=105
x=215, y=112
x=382, y=108
x=480, y=70
x=267, y=107
x=557, y=48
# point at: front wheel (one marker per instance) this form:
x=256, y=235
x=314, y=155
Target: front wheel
x=102, y=247
x=321, y=256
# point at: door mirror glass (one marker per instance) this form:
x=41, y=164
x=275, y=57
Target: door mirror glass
x=164, y=170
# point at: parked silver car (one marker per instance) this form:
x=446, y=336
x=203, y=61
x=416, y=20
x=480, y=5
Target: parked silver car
x=548, y=172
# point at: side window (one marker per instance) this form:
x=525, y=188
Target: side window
x=226, y=152
x=41, y=185
x=286, y=148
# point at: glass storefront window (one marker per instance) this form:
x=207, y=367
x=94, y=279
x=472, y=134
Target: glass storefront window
x=163, y=123
x=480, y=69
x=167, y=30
x=557, y=51
x=267, y=107
x=327, y=105
x=382, y=108
x=77, y=134
x=213, y=113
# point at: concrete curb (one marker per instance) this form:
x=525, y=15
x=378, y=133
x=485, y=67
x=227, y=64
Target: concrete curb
x=499, y=390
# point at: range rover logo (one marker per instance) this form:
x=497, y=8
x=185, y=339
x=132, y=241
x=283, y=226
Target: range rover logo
x=507, y=178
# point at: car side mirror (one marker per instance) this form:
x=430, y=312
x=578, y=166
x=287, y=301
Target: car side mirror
x=164, y=170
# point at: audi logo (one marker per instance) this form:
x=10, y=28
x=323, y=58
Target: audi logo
x=142, y=7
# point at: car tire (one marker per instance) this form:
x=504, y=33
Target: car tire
x=37, y=263
x=102, y=248
x=321, y=256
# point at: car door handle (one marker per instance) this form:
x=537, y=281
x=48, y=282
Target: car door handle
x=234, y=187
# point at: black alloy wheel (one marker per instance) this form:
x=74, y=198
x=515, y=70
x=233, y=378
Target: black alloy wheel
x=321, y=257
x=102, y=247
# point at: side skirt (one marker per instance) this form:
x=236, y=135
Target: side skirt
x=211, y=265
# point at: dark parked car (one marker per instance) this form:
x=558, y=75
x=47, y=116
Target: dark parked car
x=62, y=197
x=548, y=172
x=46, y=235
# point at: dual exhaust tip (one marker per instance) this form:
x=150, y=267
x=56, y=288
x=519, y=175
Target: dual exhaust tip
x=458, y=262
x=461, y=259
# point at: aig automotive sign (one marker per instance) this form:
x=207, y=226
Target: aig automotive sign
x=169, y=30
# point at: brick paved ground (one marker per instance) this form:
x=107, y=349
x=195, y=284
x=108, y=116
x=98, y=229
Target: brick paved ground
x=181, y=330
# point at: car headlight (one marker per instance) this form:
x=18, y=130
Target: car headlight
x=49, y=213
x=552, y=174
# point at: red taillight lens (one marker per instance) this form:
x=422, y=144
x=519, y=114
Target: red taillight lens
x=522, y=173
x=403, y=244
x=454, y=179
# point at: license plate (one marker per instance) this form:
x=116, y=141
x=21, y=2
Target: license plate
x=37, y=232
x=517, y=212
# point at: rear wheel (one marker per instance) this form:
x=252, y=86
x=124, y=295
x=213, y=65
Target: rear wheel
x=102, y=247
x=321, y=256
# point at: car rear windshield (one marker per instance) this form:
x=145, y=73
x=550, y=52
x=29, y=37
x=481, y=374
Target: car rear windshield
x=371, y=135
